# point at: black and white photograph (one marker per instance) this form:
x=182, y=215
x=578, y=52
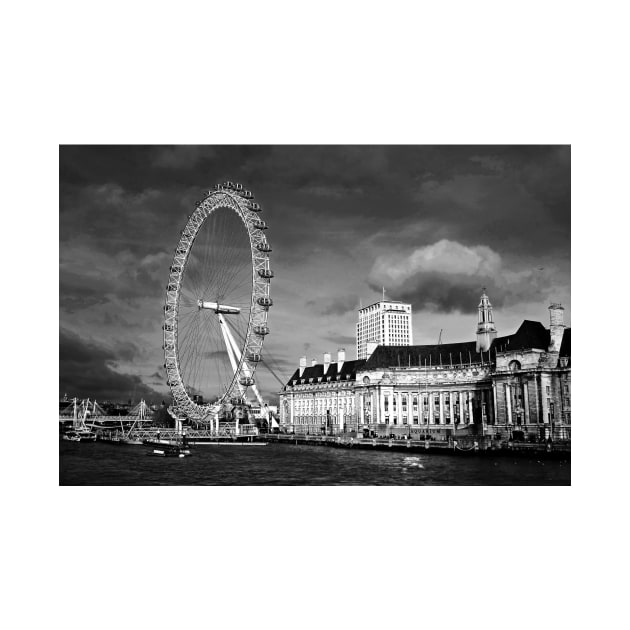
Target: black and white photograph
x=317, y=268
x=315, y=315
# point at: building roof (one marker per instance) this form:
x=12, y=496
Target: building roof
x=410, y=356
x=315, y=372
x=529, y=335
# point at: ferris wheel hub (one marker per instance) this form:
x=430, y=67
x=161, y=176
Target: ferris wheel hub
x=219, y=308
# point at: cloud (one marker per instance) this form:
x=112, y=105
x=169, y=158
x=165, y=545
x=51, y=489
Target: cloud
x=341, y=340
x=334, y=306
x=336, y=192
x=448, y=257
x=489, y=162
x=182, y=156
x=448, y=276
x=88, y=369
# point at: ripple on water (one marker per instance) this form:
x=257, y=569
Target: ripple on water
x=281, y=464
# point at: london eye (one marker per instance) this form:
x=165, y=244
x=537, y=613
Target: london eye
x=217, y=302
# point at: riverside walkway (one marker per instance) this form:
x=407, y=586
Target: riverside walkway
x=460, y=446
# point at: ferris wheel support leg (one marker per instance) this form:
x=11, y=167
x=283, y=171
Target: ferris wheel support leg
x=247, y=371
x=227, y=336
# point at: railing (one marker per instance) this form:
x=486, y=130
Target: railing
x=159, y=433
x=529, y=433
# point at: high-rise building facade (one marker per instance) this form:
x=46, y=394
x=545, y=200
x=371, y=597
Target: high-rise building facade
x=385, y=323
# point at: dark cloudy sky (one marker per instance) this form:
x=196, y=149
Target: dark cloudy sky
x=432, y=224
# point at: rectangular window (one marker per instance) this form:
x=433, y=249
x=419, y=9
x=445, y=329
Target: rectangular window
x=548, y=390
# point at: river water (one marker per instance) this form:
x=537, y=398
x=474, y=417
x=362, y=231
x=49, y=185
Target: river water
x=102, y=463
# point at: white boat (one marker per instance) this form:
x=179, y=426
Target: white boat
x=171, y=451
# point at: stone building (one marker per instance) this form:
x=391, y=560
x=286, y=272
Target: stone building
x=516, y=386
x=321, y=397
x=532, y=378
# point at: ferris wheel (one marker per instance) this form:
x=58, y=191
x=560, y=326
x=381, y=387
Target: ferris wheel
x=217, y=302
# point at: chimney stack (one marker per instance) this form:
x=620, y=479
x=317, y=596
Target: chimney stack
x=556, y=327
x=302, y=365
x=326, y=361
x=341, y=357
x=313, y=362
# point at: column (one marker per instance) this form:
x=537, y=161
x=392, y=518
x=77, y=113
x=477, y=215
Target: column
x=490, y=407
x=361, y=409
x=494, y=398
x=462, y=407
x=381, y=405
x=291, y=409
x=374, y=406
x=431, y=402
x=526, y=402
x=470, y=407
x=508, y=403
x=441, y=395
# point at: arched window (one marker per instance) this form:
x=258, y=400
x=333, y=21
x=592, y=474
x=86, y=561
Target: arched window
x=514, y=366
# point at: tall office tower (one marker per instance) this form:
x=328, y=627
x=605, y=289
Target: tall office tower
x=386, y=323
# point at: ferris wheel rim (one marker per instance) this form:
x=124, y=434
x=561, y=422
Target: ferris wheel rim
x=257, y=328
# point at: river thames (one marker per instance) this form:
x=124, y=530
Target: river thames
x=289, y=465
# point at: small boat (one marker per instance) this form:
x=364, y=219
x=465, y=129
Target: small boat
x=170, y=450
x=132, y=441
x=81, y=435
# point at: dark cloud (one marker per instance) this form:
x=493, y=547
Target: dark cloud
x=446, y=293
x=448, y=276
x=87, y=369
x=334, y=306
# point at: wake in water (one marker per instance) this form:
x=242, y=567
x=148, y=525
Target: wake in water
x=412, y=462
